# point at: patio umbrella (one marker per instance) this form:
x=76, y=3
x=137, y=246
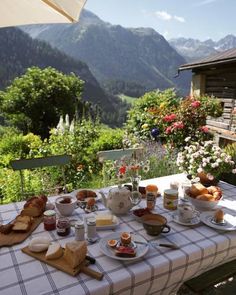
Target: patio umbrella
x=24, y=12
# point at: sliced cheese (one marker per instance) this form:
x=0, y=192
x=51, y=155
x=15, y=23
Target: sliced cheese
x=75, y=252
x=104, y=219
x=54, y=251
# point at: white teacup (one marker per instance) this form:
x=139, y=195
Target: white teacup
x=66, y=205
x=186, y=212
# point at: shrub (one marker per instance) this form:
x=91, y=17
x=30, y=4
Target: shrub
x=164, y=116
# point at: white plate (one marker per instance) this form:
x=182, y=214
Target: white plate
x=194, y=221
x=115, y=223
x=74, y=193
x=141, y=249
x=229, y=225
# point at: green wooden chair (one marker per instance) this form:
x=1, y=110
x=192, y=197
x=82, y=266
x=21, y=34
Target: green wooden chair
x=33, y=163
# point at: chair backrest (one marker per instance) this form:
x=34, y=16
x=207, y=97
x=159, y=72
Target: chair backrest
x=33, y=163
x=118, y=154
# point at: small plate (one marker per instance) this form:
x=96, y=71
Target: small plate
x=141, y=249
x=115, y=223
x=194, y=221
x=229, y=225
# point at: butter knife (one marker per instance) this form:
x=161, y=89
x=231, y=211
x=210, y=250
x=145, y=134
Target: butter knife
x=156, y=244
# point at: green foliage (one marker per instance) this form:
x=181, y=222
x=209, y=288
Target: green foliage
x=174, y=118
x=35, y=101
x=230, y=149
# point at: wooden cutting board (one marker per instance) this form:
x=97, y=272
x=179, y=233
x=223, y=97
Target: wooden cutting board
x=16, y=237
x=62, y=264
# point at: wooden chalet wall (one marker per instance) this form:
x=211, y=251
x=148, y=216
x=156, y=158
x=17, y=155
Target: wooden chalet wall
x=219, y=81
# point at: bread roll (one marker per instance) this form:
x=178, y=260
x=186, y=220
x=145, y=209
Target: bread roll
x=198, y=189
x=205, y=197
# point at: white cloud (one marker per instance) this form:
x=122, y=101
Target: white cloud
x=163, y=15
x=179, y=19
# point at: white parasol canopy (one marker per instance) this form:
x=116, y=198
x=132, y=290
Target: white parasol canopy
x=25, y=12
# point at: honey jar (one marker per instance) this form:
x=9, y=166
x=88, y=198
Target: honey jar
x=170, y=199
x=151, y=194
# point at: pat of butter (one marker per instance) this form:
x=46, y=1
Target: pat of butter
x=104, y=219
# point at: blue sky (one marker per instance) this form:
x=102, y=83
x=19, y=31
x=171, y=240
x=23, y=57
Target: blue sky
x=200, y=19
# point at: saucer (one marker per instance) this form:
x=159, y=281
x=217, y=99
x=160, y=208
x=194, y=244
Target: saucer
x=194, y=221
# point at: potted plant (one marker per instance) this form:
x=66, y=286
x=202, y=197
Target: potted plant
x=205, y=160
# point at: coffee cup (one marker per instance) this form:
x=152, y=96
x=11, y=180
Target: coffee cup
x=155, y=224
x=186, y=212
x=66, y=205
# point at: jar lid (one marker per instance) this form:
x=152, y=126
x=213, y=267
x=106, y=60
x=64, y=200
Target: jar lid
x=171, y=192
x=151, y=187
x=49, y=213
x=79, y=224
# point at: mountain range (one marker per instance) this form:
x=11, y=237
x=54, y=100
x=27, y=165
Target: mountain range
x=112, y=52
x=194, y=49
x=18, y=51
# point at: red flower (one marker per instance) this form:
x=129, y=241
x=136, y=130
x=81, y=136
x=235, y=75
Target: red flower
x=178, y=125
x=168, y=130
x=122, y=170
x=196, y=104
x=169, y=118
x=204, y=129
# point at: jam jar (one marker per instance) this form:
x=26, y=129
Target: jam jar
x=63, y=226
x=49, y=220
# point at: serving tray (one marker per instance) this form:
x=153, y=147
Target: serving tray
x=62, y=264
x=17, y=237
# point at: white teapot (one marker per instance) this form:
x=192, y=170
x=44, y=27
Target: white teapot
x=118, y=200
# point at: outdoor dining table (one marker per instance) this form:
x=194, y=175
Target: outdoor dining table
x=160, y=271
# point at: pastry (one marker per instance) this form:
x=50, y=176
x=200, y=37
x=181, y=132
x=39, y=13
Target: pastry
x=197, y=189
x=206, y=197
x=75, y=252
x=84, y=194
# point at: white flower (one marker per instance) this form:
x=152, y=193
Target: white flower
x=67, y=123
x=72, y=126
x=234, y=171
x=199, y=170
x=204, y=164
x=187, y=139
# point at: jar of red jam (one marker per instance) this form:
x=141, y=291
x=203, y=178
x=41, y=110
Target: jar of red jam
x=63, y=226
x=49, y=220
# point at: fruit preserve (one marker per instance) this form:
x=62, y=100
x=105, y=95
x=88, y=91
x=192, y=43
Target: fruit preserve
x=49, y=220
x=63, y=226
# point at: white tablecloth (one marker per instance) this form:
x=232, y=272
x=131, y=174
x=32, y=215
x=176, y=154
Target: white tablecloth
x=160, y=271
